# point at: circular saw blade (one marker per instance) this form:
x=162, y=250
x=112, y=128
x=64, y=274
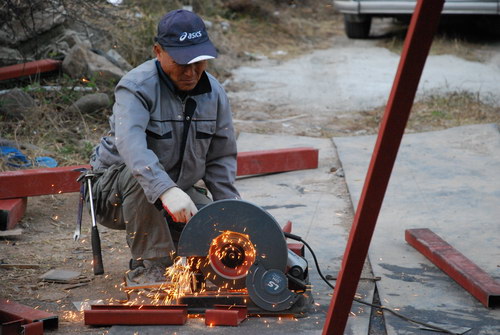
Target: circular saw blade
x=229, y=258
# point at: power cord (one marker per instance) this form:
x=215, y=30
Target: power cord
x=399, y=315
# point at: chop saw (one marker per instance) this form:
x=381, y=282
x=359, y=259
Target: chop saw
x=239, y=256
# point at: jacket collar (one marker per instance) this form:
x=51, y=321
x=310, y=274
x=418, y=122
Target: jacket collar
x=202, y=87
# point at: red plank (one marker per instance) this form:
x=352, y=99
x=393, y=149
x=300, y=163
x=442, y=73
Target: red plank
x=423, y=25
x=11, y=212
x=27, y=69
x=135, y=315
x=28, y=314
x=461, y=269
x=33, y=182
x=272, y=161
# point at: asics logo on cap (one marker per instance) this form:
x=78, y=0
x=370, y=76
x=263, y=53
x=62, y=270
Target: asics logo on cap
x=190, y=36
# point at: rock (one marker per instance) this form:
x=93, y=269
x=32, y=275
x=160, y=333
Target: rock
x=31, y=20
x=9, y=56
x=118, y=60
x=15, y=103
x=91, y=103
x=81, y=62
x=71, y=37
x=340, y=173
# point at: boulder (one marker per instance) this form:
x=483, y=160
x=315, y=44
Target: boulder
x=15, y=103
x=81, y=62
x=9, y=56
x=118, y=60
x=91, y=103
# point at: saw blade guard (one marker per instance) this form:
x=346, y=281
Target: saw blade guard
x=232, y=235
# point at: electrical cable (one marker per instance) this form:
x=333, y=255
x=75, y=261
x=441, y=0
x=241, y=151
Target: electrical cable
x=399, y=315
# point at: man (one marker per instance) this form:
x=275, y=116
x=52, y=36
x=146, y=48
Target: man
x=171, y=127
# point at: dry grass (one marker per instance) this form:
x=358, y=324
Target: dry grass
x=436, y=112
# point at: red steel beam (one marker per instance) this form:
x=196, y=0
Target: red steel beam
x=423, y=25
x=34, y=182
x=280, y=160
x=106, y=315
x=461, y=269
x=27, y=69
x=28, y=314
x=11, y=212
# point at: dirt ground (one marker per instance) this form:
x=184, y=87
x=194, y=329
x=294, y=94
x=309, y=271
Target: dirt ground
x=47, y=239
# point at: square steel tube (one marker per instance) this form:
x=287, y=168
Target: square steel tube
x=461, y=269
x=28, y=314
x=11, y=212
x=105, y=315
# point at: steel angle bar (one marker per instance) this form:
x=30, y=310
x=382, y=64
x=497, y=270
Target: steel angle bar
x=28, y=314
x=225, y=315
x=279, y=160
x=423, y=25
x=105, y=315
x=461, y=269
x=11, y=212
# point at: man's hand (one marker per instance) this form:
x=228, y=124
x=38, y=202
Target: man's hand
x=178, y=204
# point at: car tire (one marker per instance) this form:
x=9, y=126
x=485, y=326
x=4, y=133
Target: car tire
x=357, y=26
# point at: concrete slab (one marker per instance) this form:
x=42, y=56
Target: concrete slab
x=446, y=181
x=316, y=203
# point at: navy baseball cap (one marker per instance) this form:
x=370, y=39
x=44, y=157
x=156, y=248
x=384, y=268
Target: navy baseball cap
x=184, y=36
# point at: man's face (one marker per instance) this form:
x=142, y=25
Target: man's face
x=185, y=77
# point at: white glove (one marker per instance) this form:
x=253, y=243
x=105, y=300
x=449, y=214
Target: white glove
x=178, y=204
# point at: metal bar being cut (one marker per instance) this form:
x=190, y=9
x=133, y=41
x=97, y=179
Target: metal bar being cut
x=471, y=277
x=423, y=25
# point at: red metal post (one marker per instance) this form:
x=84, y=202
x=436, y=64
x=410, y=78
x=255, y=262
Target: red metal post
x=280, y=160
x=27, y=69
x=418, y=41
x=11, y=212
x=471, y=277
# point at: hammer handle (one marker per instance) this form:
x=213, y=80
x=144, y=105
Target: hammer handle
x=96, y=252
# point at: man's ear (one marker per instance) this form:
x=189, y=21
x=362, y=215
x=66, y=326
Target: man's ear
x=157, y=50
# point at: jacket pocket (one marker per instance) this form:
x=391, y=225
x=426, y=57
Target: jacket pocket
x=159, y=137
x=205, y=129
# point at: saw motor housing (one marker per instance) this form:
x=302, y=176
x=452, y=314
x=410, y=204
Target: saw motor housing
x=239, y=247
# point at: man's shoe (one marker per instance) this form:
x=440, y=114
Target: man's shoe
x=150, y=273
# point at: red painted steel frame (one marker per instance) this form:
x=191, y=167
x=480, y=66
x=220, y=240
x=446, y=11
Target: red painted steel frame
x=422, y=27
x=11, y=211
x=471, y=277
x=26, y=69
x=280, y=160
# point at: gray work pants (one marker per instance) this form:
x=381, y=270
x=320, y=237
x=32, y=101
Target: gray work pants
x=120, y=203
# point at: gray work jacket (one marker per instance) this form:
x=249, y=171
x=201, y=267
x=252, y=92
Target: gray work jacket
x=147, y=129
